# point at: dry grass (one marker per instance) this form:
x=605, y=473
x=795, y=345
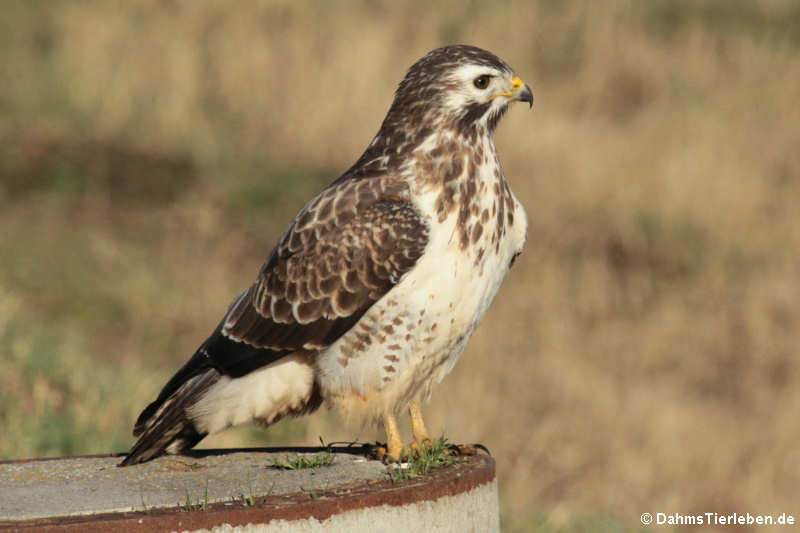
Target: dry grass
x=642, y=355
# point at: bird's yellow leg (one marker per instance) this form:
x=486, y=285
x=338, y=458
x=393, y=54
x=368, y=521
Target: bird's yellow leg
x=394, y=444
x=421, y=436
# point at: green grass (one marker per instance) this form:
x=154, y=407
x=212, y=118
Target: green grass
x=424, y=463
x=248, y=499
x=196, y=504
x=302, y=462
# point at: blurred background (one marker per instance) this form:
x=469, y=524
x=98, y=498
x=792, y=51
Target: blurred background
x=641, y=356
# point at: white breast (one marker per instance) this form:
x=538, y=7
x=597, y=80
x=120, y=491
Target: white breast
x=418, y=329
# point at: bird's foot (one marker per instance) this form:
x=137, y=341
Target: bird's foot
x=417, y=450
x=385, y=453
x=379, y=452
x=466, y=450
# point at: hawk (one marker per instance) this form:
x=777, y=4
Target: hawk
x=372, y=292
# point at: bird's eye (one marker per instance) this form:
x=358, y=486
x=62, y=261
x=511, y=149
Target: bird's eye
x=482, y=81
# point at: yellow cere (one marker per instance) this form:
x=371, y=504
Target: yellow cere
x=516, y=84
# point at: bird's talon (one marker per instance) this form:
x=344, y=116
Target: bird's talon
x=466, y=450
x=380, y=452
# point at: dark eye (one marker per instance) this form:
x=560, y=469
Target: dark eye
x=481, y=82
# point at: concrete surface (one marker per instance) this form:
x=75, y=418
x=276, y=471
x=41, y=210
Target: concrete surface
x=90, y=485
x=242, y=491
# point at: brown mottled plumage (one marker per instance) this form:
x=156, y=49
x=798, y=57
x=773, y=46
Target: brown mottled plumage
x=373, y=290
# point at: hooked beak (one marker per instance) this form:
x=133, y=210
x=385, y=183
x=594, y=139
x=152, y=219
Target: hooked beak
x=521, y=92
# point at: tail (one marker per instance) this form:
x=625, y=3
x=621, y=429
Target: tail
x=248, y=382
x=164, y=427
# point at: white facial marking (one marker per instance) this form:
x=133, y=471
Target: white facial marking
x=466, y=92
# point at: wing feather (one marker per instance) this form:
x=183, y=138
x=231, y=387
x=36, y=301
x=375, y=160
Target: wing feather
x=346, y=249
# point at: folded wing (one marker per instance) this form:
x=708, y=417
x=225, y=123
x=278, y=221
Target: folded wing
x=343, y=252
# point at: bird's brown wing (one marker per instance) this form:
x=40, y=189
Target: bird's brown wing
x=346, y=249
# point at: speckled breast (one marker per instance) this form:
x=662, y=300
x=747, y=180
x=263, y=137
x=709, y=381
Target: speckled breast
x=411, y=338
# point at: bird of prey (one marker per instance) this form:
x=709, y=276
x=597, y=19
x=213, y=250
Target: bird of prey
x=373, y=290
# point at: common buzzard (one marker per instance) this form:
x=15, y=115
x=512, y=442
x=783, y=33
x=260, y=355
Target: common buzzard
x=375, y=287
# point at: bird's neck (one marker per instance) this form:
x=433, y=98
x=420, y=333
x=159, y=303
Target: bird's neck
x=451, y=159
x=396, y=147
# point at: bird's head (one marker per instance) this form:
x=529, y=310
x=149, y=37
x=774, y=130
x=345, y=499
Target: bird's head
x=455, y=91
x=463, y=85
